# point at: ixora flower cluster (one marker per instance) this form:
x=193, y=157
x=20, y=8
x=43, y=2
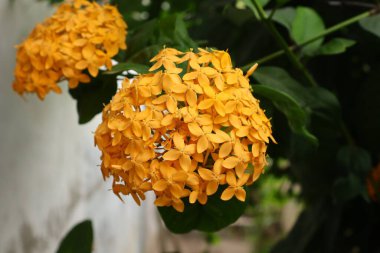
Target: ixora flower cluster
x=80, y=35
x=184, y=129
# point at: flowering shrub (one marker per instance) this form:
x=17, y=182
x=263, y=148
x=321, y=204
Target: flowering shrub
x=191, y=131
x=80, y=35
x=182, y=130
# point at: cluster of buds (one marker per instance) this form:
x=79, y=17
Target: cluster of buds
x=186, y=128
x=80, y=35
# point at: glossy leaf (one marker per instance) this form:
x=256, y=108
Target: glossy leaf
x=91, y=97
x=213, y=216
x=371, y=24
x=306, y=25
x=335, y=46
x=78, y=239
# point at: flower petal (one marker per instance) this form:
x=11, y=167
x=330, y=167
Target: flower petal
x=160, y=185
x=228, y=193
x=212, y=187
x=202, y=144
x=225, y=149
x=240, y=194
x=230, y=162
x=171, y=155
x=206, y=174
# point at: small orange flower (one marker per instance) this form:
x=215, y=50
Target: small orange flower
x=80, y=35
x=183, y=130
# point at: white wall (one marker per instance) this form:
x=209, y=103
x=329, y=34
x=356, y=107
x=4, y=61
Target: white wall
x=49, y=178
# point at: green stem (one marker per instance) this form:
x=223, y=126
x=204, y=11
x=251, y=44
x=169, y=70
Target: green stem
x=281, y=41
x=323, y=34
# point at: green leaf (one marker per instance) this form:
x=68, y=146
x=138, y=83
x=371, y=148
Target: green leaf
x=296, y=115
x=335, y=46
x=279, y=79
x=347, y=188
x=213, y=216
x=91, y=97
x=324, y=104
x=306, y=25
x=355, y=160
x=123, y=66
x=317, y=100
x=285, y=17
x=78, y=239
x=287, y=95
x=371, y=24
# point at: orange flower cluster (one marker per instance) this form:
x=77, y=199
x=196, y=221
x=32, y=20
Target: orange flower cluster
x=373, y=184
x=79, y=35
x=182, y=130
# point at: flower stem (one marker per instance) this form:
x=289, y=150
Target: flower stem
x=328, y=31
x=281, y=41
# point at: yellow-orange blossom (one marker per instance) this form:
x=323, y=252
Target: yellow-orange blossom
x=182, y=130
x=80, y=35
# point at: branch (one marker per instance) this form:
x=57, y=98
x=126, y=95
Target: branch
x=328, y=31
x=281, y=41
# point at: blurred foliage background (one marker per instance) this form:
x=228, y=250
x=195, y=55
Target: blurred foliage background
x=319, y=80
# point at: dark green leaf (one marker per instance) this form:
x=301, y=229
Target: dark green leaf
x=306, y=25
x=347, y=188
x=287, y=95
x=78, y=239
x=371, y=24
x=318, y=100
x=355, y=160
x=296, y=115
x=213, y=216
x=335, y=46
x=91, y=97
x=324, y=104
x=123, y=66
x=285, y=17
x=279, y=79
